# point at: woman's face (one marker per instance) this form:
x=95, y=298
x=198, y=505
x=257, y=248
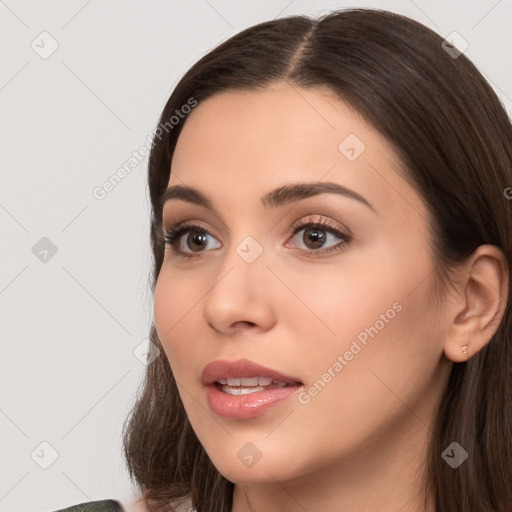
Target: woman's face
x=344, y=308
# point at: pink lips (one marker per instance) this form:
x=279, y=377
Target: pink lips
x=222, y=369
x=244, y=406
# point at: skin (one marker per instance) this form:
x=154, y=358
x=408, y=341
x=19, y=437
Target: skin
x=359, y=445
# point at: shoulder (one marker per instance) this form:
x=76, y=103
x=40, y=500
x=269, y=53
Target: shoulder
x=115, y=506
x=95, y=506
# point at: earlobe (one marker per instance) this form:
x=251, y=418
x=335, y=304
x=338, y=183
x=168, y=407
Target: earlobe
x=479, y=308
x=461, y=352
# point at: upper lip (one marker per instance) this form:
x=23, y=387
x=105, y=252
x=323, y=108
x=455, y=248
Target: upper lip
x=223, y=369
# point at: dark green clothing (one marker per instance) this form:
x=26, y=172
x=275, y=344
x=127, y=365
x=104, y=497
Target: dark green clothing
x=95, y=506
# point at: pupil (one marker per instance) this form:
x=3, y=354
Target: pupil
x=199, y=239
x=316, y=236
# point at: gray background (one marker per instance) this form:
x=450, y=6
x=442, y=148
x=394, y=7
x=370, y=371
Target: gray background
x=70, y=321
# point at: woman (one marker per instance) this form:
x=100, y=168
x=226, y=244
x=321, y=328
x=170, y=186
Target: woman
x=332, y=234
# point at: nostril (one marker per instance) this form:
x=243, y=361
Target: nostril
x=240, y=324
x=213, y=327
x=235, y=326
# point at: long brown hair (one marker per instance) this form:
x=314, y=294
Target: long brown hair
x=454, y=139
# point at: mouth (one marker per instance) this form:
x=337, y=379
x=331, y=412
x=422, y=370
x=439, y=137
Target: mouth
x=248, y=385
x=244, y=389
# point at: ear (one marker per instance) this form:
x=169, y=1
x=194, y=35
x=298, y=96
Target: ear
x=479, y=304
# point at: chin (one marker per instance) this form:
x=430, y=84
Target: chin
x=261, y=474
x=252, y=465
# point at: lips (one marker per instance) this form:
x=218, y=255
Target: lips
x=245, y=373
x=243, y=389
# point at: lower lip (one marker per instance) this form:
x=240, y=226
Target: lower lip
x=242, y=407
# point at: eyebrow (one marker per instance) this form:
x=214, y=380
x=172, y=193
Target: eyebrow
x=278, y=197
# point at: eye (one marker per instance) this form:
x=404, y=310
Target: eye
x=319, y=237
x=191, y=240
x=193, y=244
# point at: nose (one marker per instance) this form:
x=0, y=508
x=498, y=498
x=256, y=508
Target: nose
x=240, y=298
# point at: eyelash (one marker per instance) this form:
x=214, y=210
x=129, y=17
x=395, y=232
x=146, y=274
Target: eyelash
x=173, y=235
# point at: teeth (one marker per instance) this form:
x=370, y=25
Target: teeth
x=251, y=381
x=239, y=390
x=247, y=385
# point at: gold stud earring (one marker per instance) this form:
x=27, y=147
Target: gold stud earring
x=464, y=348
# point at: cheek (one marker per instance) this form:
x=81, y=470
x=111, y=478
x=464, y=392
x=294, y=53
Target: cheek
x=176, y=300
x=384, y=355
x=331, y=306
x=370, y=326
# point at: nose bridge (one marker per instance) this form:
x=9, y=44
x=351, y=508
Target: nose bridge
x=241, y=291
x=245, y=250
x=244, y=266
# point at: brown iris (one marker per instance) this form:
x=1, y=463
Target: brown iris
x=197, y=239
x=314, y=235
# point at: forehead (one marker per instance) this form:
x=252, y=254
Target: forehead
x=243, y=143
x=305, y=118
